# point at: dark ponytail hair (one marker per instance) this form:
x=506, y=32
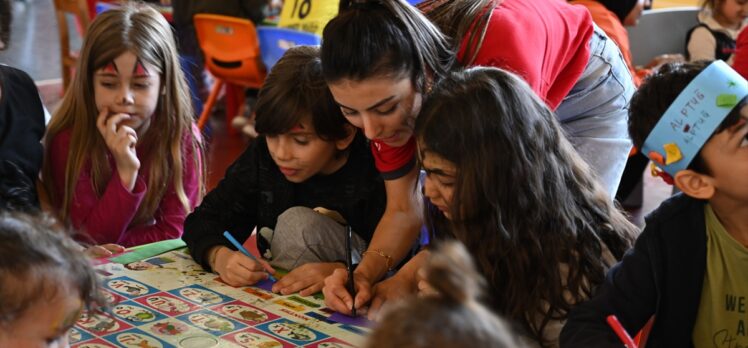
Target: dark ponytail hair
x=371, y=38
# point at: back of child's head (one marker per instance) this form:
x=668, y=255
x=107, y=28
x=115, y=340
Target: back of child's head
x=383, y=38
x=140, y=29
x=294, y=90
x=521, y=189
x=657, y=93
x=38, y=262
x=453, y=318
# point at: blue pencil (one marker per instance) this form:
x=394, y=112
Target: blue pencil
x=244, y=251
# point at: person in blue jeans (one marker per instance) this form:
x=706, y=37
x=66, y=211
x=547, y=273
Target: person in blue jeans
x=567, y=60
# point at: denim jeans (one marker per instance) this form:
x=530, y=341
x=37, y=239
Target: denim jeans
x=594, y=114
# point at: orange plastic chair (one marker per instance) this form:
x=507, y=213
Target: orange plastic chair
x=232, y=55
x=79, y=10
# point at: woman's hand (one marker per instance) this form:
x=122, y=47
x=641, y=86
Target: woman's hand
x=337, y=296
x=121, y=141
x=306, y=279
x=236, y=269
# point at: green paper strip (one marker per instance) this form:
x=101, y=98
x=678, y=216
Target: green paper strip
x=143, y=252
x=727, y=100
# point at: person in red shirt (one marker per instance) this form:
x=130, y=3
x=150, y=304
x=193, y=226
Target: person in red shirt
x=123, y=161
x=568, y=61
x=381, y=58
x=740, y=60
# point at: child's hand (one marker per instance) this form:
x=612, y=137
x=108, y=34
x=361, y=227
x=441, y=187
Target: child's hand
x=121, y=141
x=393, y=288
x=336, y=294
x=424, y=288
x=236, y=269
x=105, y=250
x=306, y=279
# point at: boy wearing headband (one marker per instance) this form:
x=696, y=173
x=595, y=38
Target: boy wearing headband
x=687, y=270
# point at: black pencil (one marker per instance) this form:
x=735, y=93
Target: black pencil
x=349, y=264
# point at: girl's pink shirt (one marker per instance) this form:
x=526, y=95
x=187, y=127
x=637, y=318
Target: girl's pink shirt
x=107, y=219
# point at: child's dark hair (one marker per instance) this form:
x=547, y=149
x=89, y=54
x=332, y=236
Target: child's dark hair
x=524, y=201
x=452, y=319
x=38, y=261
x=371, y=38
x=656, y=94
x=295, y=89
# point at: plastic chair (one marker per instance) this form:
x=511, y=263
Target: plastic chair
x=661, y=31
x=232, y=55
x=78, y=9
x=275, y=41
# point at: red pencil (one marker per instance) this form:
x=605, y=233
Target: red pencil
x=620, y=331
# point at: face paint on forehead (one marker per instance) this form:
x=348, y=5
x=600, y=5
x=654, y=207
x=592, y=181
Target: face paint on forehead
x=140, y=70
x=111, y=67
x=297, y=128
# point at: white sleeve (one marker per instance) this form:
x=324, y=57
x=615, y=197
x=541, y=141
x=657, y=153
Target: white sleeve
x=702, y=45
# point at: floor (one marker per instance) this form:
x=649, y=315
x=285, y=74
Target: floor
x=34, y=48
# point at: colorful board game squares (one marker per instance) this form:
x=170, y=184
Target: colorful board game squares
x=128, y=287
x=298, y=334
x=331, y=342
x=355, y=329
x=75, y=335
x=244, y=312
x=253, y=338
x=112, y=298
x=137, y=338
x=177, y=333
x=167, y=303
x=262, y=294
x=200, y=295
x=211, y=322
x=97, y=343
x=159, y=260
x=135, y=313
x=101, y=324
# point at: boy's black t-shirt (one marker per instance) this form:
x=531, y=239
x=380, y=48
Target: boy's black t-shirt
x=254, y=193
x=21, y=130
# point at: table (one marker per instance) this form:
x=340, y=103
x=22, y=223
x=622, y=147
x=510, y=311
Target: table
x=168, y=300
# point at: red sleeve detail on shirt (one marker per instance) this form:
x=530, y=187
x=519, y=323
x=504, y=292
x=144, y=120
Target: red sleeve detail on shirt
x=395, y=161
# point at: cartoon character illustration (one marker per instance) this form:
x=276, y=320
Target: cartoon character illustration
x=139, y=266
x=140, y=317
x=132, y=290
x=253, y=315
x=104, y=325
x=169, y=328
x=219, y=325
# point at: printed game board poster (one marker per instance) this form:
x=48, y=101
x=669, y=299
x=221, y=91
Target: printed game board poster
x=307, y=15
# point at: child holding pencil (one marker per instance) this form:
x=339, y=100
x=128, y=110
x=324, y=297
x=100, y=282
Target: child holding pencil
x=308, y=176
x=688, y=267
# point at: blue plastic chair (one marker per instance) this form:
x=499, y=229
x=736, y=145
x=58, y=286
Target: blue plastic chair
x=275, y=41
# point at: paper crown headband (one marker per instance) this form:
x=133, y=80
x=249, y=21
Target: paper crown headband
x=694, y=115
